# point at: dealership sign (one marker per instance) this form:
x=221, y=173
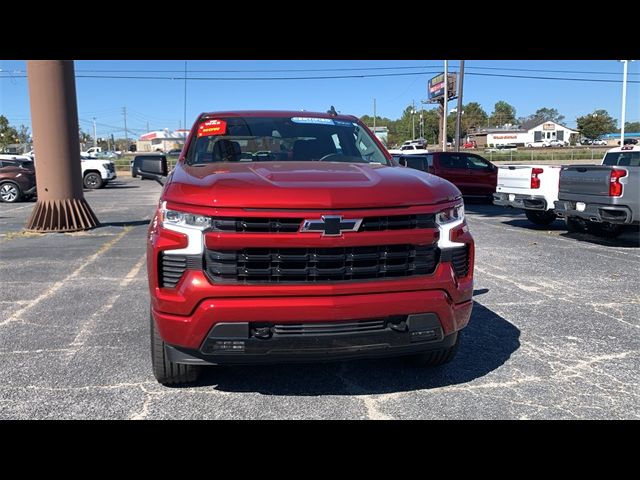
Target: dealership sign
x=549, y=126
x=435, y=87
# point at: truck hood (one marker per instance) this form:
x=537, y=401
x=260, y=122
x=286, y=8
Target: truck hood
x=305, y=185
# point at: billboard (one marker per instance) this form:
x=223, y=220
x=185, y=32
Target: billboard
x=435, y=87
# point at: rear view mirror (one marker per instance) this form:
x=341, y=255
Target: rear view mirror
x=154, y=168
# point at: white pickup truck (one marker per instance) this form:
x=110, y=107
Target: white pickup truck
x=96, y=173
x=533, y=188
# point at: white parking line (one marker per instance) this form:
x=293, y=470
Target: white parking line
x=58, y=285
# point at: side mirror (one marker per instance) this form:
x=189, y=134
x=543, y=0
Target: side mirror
x=154, y=169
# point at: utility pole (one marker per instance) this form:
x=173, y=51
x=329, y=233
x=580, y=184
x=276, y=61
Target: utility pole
x=95, y=136
x=625, y=64
x=374, y=115
x=185, y=94
x=459, y=111
x=126, y=132
x=148, y=126
x=445, y=100
x=413, y=119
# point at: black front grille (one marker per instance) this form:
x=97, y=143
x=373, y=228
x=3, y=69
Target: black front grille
x=398, y=222
x=460, y=261
x=269, y=225
x=320, y=264
x=291, y=225
x=171, y=269
x=111, y=167
x=332, y=328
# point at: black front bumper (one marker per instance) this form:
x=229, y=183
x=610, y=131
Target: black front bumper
x=31, y=191
x=238, y=343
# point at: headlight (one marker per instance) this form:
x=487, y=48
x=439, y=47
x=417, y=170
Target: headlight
x=106, y=165
x=184, y=219
x=451, y=214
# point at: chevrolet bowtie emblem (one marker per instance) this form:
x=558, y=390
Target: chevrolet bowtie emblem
x=331, y=225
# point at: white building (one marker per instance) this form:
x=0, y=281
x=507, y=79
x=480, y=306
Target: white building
x=528, y=133
x=161, y=140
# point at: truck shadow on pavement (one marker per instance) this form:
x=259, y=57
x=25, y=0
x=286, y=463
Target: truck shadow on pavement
x=556, y=226
x=486, y=343
x=628, y=239
x=131, y=223
x=487, y=210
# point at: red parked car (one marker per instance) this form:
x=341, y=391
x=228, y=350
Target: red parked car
x=293, y=236
x=473, y=175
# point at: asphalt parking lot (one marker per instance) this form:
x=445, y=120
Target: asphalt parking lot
x=554, y=332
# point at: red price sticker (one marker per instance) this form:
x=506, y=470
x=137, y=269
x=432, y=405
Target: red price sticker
x=212, y=127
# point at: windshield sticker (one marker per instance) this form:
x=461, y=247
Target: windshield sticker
x=342, y=123
x=317, y=121
x=212, y=127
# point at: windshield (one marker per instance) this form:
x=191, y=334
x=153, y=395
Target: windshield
x=269, y=139
x=623, y=159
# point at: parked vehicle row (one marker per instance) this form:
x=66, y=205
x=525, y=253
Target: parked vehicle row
x=18, y=179
x=602, y=199
x=547, y=144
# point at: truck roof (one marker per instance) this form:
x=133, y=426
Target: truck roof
x=275, y=114
x=625, y=148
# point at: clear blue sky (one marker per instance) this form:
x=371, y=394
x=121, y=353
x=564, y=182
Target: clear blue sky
x=160, y=103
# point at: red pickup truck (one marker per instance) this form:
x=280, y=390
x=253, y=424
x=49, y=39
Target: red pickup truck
x=472, y=174
x=293, y=236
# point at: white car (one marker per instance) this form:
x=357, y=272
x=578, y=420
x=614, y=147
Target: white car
x=413, y=149
x=557, y=143
x=599, y=142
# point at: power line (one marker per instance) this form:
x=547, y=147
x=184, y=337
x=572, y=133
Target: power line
x=351, y=69
x=333, y=77
x=601, y=80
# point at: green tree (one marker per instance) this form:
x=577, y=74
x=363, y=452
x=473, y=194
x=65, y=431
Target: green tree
x=431, y=122
x=473, y=116
x=545, y=114
x=594, y=125
x=86, y=139
x=8, y=134
x=502, y=114
x=631, y=127
x=23, y=134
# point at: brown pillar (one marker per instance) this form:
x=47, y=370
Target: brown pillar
x=61, y=205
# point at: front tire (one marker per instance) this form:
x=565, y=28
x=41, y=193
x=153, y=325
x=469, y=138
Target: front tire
x=165, y=371
x=542, y=218
x=435, y=358
x=92, y=181
x=10, y=192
